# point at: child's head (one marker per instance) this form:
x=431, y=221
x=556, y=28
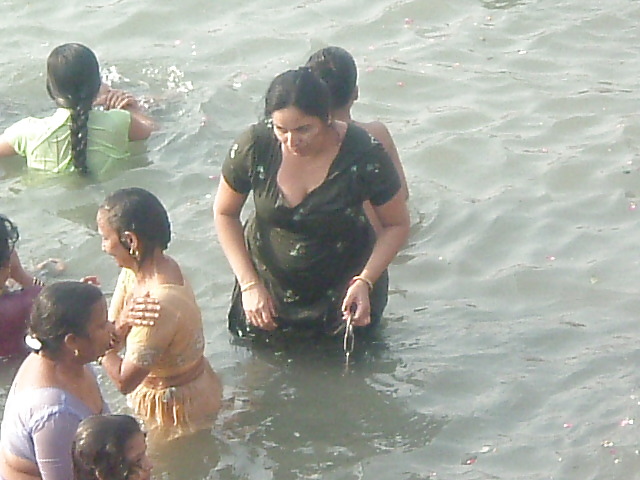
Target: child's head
x=110, y=447
x=73, y=82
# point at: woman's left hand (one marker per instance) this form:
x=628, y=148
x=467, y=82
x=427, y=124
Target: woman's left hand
x=356, y=303
x=140, y=312
x=113, y=99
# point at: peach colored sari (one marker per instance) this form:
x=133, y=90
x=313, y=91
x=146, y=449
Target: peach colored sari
x=182, y=393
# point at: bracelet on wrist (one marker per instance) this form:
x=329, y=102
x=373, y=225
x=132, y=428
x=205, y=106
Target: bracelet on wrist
x=363, y=279
x=248, y=286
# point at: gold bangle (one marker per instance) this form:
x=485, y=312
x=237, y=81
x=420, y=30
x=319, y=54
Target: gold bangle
x=365, y=280
x=100, y=359
x=37, y=282
x=248, y=286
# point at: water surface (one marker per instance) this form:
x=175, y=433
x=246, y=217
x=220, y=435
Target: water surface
x=510, y=340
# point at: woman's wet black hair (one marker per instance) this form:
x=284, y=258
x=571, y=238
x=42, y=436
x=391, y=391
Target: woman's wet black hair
x=337, y=68
x=8, y=237
x=138, y=211
x=299, y=88
x=73, y=82
x=60, y=309
x=99, y=448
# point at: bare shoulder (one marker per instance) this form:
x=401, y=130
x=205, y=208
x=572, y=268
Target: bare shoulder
x=6, y=149
x=380, y=132
x=33, y=373
x=377, y=130
x=170, y=272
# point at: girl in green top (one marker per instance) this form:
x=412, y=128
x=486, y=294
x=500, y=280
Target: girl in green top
x=76, y=137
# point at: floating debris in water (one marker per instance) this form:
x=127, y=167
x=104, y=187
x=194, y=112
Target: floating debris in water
x=607, y=443
x=626, y=421
x=239, y=80
x=567, y=425
x=470, y=461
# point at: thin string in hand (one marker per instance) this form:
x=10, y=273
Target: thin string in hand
x=349, y=340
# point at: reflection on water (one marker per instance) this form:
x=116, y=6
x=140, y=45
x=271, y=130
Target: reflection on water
x=296, y=413
x=311, y=416
x=502, y=4
x=510, y=346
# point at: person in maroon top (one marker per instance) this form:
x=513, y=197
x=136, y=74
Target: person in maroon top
x=15, y=303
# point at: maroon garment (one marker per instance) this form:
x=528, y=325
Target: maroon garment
x=15, y=308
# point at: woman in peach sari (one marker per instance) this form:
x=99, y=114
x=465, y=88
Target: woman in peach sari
x=168, y=381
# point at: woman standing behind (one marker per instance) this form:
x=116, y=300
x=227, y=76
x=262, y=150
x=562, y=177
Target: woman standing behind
x=54, y=388
x=310, y=255
x=15, y=305
x=337, y=68
x=76, y=137
x=110, y=447
x=169, y=382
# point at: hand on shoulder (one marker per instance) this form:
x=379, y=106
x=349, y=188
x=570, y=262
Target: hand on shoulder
x=113, y=99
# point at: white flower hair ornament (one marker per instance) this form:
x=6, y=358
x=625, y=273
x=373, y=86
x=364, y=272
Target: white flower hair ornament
x=33, y=343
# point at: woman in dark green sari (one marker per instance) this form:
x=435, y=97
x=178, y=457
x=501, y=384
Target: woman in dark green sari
x=307, y=257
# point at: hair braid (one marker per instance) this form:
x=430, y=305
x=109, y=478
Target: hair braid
x=73, y=82
x=79, y=136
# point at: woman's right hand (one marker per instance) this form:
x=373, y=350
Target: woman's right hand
x=142, y=311
x=259, y=307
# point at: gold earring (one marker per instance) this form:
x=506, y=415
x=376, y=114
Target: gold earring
x=134, y=253
x=76, y=352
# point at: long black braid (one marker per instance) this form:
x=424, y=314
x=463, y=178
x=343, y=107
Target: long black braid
x=73, y=82
x=79, y=137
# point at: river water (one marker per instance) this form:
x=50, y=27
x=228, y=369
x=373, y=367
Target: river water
x=510, y=340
